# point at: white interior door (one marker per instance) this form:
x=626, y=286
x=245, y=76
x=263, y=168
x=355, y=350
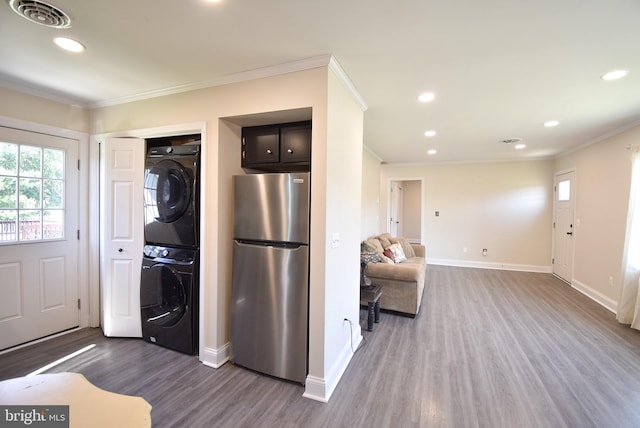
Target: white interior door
x=38, y=235
x=395, y=209
x=563, y=232
x=122, y=235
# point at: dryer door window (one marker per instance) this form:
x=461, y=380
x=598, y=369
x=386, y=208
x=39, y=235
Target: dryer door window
x=163, y=299
x=167, y=191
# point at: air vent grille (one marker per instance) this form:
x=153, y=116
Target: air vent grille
x=511, y=140
x=41, y=13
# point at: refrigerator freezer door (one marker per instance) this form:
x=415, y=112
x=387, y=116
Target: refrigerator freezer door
x=269, y=309
x=272, y=207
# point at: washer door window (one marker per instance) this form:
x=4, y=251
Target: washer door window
x=163, y=298
x=167, y=192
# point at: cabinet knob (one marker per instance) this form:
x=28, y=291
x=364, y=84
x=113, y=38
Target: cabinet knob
x=289, y=150
x=269, y=151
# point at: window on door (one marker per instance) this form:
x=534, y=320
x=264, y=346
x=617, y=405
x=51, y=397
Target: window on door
x=564, y=190
x=31, y=193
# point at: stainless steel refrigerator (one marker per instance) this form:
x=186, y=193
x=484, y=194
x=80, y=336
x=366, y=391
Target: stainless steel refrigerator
x=270, y=277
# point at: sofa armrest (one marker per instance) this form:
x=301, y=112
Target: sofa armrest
x=420, y=250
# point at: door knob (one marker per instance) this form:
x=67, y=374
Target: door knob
x=120, y=250
x=570, y=233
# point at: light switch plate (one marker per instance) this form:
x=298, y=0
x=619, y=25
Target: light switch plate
x=335, y=240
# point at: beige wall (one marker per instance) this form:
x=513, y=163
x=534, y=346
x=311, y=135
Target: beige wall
x=18, y=105
x=505, y=207
x=412, y=210
x=603, y=179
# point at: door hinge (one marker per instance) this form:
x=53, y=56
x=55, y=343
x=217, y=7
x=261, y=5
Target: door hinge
x=78, y=234
x=79, y=304
x=553, y=261
x=554, y=224
x=78, y=164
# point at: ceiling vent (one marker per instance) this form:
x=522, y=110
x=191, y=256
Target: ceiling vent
x=511, y=140
x=41, y=13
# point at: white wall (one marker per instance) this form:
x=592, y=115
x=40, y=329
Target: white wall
x=370, y=194
x=603, y=179
x=340, y=220
x=505, y=207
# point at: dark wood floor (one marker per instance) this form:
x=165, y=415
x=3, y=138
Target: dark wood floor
x=488, y=349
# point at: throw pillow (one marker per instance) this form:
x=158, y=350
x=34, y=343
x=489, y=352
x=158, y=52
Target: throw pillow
x=386, y=259
x=397, y=253
x=406, y=246
x=368, y=254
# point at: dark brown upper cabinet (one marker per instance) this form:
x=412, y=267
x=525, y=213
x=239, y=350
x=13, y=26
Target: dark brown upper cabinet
x=277, y=148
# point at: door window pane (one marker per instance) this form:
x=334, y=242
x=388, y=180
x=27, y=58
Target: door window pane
x=30, y=161
x=32, y=193
x=564, y=190
x=8, y=225
x=8, y=159
x=30, y=225
x=8, y=192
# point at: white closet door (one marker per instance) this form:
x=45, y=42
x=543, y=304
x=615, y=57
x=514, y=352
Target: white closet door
x=122, y=235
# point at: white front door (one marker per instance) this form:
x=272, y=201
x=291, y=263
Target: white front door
x=38, y=235
x=122, y=235
x=564, y=227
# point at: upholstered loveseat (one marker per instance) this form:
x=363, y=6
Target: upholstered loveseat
x=403, y=278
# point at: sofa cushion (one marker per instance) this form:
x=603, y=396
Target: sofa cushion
x=398, y=272
x=385, y=240
x=407, y=248
x=375, y=244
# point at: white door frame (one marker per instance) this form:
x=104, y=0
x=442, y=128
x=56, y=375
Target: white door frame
x=574, y=222
x=422, y=203
x=94, y=198
x=88, y=318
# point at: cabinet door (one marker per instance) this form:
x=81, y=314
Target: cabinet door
x=295, y=144
x=260, y=145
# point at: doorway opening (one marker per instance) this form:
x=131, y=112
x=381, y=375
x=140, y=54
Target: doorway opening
x=405, y=209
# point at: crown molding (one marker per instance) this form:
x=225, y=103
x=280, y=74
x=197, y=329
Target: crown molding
x=259, y=73
x=335, y=66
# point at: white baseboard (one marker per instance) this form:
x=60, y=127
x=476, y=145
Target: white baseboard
x=320, y=389
x=596, y=296
x=215, y=357
x=489, y=265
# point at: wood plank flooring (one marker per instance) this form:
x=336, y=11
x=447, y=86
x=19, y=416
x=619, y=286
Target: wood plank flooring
x=488, y=349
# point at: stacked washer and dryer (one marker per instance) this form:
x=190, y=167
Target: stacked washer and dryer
x=169, y=289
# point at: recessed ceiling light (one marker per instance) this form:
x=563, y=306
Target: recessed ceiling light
x=430, y=133
x=520, y=146
x=69, y=44
x=432, y=152
x=614, y=75
x=426, y=97
x=551, y=123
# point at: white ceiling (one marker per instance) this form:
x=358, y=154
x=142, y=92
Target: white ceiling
x=499, y=68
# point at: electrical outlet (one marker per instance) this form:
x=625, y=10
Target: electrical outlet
x=485, y=251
